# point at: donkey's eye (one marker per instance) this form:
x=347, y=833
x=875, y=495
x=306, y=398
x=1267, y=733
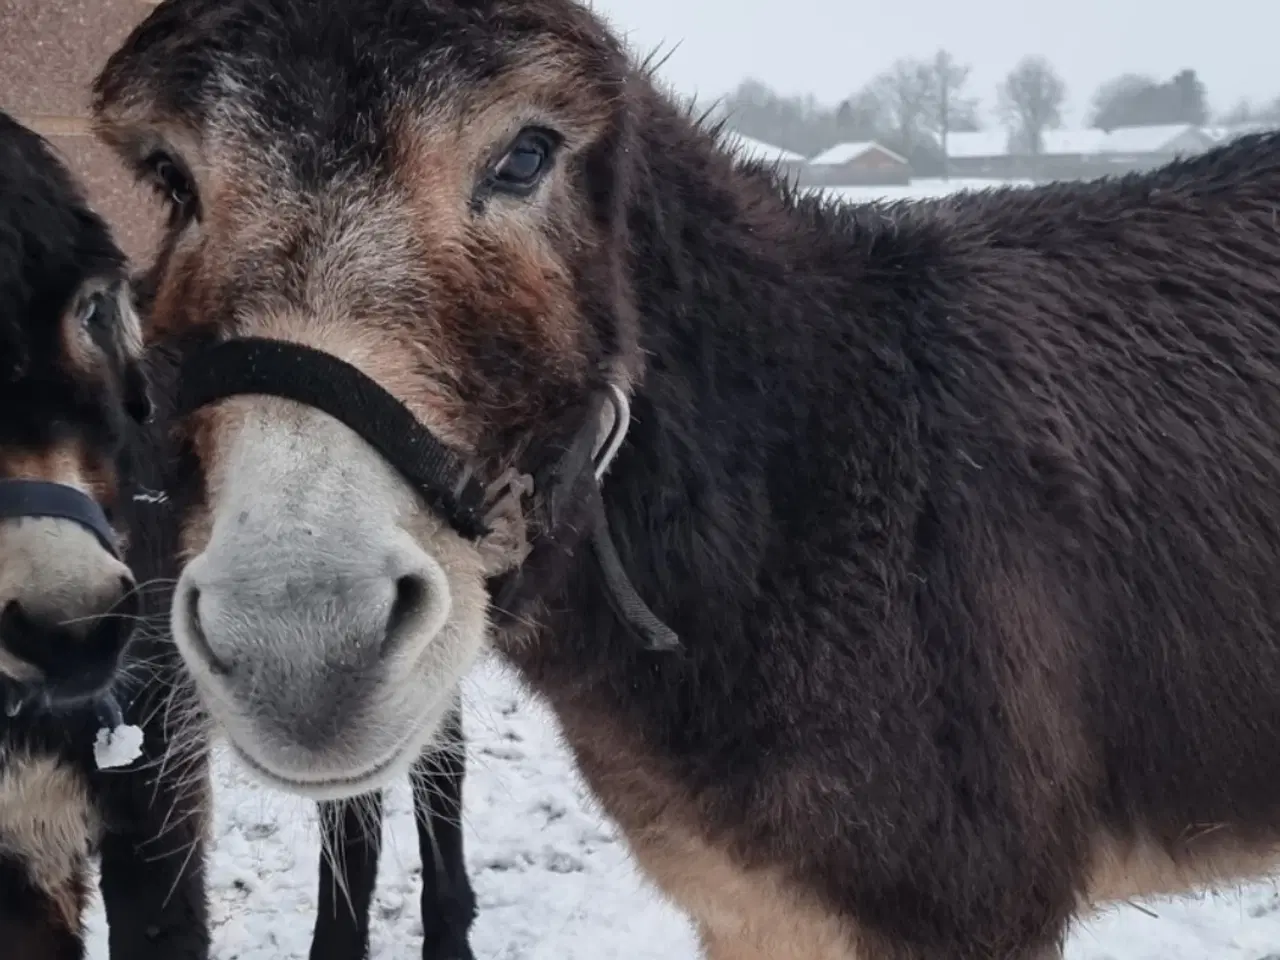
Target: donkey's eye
x=173, y=183
x=94, y=312
x=526, y=161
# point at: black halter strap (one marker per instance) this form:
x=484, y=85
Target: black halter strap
x=317, y=379
x=44, y=498
x=571, y=486
x=21, y=499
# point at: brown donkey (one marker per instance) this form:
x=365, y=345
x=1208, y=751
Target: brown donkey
x=966, y=514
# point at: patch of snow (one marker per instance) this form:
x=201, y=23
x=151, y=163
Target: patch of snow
x=118, y=747
x=1073, y=142
x=919, y=189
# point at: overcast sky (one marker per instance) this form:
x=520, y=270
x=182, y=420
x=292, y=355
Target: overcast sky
x=832, y=47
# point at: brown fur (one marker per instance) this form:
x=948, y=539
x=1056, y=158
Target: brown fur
x=47, y=821
x=742, y=912
x=961, y=659
x=65, y=463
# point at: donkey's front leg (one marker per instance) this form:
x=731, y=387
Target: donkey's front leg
x=448, y=902
x=350, y=842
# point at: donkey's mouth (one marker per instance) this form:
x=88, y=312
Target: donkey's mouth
x=340, y=772
x=332, y=787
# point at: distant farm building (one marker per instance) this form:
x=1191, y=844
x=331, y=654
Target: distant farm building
x=863, y=163
x=980, y=153
x=1149, y=146
x=790, y=163
x=1074, y=154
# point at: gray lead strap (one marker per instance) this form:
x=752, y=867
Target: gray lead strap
x=627, y=602
x=635, y=612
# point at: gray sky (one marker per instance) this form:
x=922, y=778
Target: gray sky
x=831, y=47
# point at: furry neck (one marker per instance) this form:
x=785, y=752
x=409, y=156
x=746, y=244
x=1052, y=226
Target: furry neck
x=720, y=415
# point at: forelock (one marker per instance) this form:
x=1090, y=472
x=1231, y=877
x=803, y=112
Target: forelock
x=337, y=73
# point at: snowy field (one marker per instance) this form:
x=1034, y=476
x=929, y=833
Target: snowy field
x=552, y=876
x=919, y=189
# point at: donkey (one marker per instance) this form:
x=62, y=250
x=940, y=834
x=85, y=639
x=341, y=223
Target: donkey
x=903, y=576
x=72, y=392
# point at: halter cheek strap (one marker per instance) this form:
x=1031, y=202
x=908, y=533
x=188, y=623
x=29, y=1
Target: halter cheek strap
x=44, y=498
x=574, y=505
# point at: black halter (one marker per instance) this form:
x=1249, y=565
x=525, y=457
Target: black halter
x=44, y=498
x=571, y=486
x=20, y=499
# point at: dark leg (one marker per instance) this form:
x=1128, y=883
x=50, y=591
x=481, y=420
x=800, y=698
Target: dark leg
x=36, y=923
x=156, y=811
x=448, y=902
x=153, y=848
x=351, y=839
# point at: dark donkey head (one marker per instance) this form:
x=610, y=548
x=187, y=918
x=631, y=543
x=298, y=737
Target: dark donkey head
x=69, y=381
x=432, y=193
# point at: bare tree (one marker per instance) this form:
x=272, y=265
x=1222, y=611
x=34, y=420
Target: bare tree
x=1270, y=113
x=905, y=93
x=1135, y=100
x=1242, y=112
x=1030, y=102
x=797, y=123
x=1124, y=88
x=948, y=109
x=916, y=104
x=862, y=117
x=1246, y=112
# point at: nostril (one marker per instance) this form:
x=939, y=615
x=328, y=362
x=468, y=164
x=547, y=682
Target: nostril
x=412, y=594
x=24, y=637
x=108, y=632
x=76, y=656
x=13, y=625
x=195, y=629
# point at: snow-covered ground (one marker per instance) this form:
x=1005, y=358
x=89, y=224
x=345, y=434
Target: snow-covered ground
x=552, y=877
x=919, y=189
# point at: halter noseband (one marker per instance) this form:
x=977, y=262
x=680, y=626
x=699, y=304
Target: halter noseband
x=44, y=498
x=256, y=365
x=31, y=499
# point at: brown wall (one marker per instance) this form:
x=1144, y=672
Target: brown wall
x=50, y=51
